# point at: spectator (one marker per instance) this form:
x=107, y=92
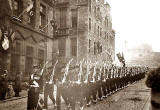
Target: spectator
x=10, y=91
x=18, y=81
x=153, y=82
x=3, y=84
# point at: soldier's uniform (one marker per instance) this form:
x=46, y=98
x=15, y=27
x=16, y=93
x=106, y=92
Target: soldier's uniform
x=49, y=89
x=99, y=84
x=35, y=85
x=88, y=90
x=104, y=86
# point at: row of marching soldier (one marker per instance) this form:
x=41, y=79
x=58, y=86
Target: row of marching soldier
x=86, y=83
x=94, y=83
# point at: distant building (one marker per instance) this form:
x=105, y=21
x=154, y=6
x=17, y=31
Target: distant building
x=84, y=31
x=142, y=56
x=33, y=37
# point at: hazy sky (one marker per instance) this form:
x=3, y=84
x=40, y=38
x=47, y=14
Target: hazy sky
x=137, y=22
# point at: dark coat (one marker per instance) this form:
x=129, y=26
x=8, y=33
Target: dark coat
x=18, y=82
x=33, y=93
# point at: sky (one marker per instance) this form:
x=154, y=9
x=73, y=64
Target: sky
x=136, y=22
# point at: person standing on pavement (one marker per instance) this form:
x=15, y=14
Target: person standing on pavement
x=18, y=81
x=35, y=84
x=153, y=82
x=3, y=84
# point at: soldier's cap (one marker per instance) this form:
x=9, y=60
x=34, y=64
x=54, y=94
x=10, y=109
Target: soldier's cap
x=5, y=71
x=35, y=66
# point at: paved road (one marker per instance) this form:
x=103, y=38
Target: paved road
x=134, y=97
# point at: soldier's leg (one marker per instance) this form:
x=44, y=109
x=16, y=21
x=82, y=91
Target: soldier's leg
x=73, y=105
x=99, y=93
x=58, y=98
x=88, y=94
x=51, y=91
x=99, y=87
x=64, y=96
x=104, y=89
x=46, y=98
x=94, y=93
x=36, y=100
x=107, y=86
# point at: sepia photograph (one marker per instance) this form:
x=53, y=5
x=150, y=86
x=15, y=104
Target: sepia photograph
x=79, y=55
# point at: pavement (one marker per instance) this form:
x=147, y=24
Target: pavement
x=134, y=97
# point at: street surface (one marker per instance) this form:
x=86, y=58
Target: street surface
x=134, y=97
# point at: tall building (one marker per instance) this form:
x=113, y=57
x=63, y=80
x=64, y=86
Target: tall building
x=84, y=31
x=29, y=20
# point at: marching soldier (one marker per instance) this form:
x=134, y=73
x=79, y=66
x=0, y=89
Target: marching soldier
x=103, y=78
x=49, y=89
x=88, y=90
x=99, y=83
x=50, y=80
x=94, y=86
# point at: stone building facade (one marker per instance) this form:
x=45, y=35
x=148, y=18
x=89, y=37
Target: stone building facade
x=33, y=34
x=84, y=31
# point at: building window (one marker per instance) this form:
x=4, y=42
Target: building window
x=16, y=48
x=95, y=11
x=40, y=56
x=74, y=18
x=90, y=6
x=62, y=46
x=17, y=7
x=101, y=48
x=107, y=22
x=63, y=17
x=89, y=50
x=95, y=48
x=42, y=20
x=89, y=24
x=105, y=37
x=74, y=46
x=98, y=12
x=107, y=40
x=95, y=28
x=15, y=63
x=31, y=15
x=98, y=47
x=100, y=32
x=15, y=58
x=29, y=60
x=29, y=51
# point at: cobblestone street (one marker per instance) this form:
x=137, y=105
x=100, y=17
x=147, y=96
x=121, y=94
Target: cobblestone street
x=134, y=97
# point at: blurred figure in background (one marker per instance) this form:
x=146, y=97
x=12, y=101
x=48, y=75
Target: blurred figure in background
x=18, y=81
x=3, y=84
x=153, y=82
